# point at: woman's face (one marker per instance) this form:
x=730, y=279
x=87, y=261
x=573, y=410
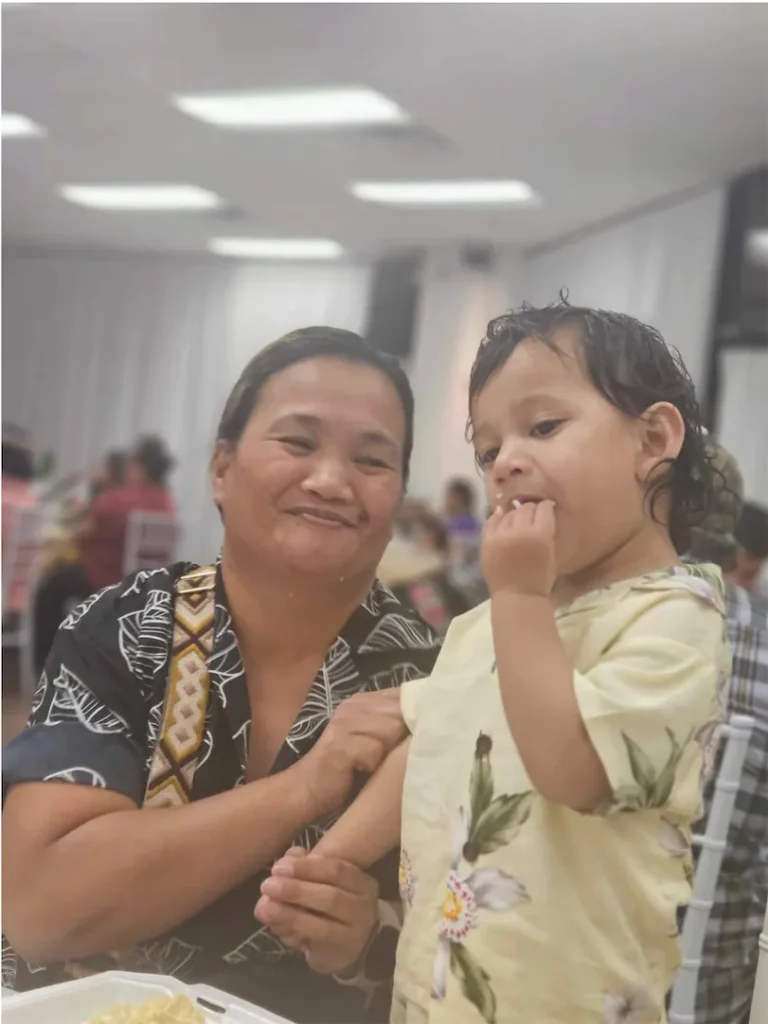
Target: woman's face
x=315, y=480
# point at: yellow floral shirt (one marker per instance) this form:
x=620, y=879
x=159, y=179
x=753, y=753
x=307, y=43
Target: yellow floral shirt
x=520, y=911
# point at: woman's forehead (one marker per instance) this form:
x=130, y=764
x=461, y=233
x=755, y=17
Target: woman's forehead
x=332, y=389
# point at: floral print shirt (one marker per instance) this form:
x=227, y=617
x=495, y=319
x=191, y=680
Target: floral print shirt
x=523, y=911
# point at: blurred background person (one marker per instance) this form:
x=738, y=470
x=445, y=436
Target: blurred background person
x=100, y=537
x=416, y=566
x=110, y=472
x=752, y=548
x=464, y=533
x=18, y=493
x=731, y=945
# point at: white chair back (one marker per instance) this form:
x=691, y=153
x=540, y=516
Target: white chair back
x=759, y=1014
x=713, y=842
x=21, y=569
x=151, y=542
x=21, y=560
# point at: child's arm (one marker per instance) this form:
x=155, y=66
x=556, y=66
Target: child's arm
x=370, y=828
x=535, y=677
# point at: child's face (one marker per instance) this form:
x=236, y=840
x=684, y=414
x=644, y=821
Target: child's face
x=542, y=430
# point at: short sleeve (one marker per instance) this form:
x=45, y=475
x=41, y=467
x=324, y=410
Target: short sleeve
x=651, y=704
x=467, y=641
x=88, y=722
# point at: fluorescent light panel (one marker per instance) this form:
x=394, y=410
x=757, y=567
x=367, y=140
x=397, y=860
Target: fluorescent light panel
x=315, y=108
x=18, y=125
x=277, y=248
x=444, y=193
x=140, y=197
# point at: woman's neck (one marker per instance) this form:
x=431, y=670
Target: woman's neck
x=647, y=550
x=284, y=617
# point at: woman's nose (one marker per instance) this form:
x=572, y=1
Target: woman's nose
x=328, y=479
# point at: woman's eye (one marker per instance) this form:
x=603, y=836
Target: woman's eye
x=300, y=444
x=545, y=428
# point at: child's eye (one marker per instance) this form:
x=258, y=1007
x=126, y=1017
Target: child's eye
x=545, y=428
x=373, y=463
x=487, y=457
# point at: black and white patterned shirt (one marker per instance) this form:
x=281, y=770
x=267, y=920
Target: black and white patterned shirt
x=95, y=721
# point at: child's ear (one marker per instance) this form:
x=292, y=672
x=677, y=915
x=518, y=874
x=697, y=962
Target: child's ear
x=662, y=435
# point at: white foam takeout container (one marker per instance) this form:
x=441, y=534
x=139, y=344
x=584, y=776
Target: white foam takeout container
x=76, y=1002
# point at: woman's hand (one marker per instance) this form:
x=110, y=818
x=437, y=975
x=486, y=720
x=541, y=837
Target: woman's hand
x=325, y=907
x=518, y=550
x=363, y=730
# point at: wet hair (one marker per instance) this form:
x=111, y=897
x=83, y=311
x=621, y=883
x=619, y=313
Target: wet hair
x=298, y=347
x=17, y=462
x=752, y=531
x=154, y=459
x=463, y=490
x=631, y=365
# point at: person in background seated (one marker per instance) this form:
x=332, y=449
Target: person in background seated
x=101, y=538
x=109, y=473
x=752, y=551
x=464, y=532
x=18, y=495
x=123, y=831
x=416, y=568
x=730, y=953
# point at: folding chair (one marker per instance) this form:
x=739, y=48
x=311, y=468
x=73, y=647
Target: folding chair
x=682, y=1007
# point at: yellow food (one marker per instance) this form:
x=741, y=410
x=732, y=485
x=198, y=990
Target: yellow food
x=162, y=1010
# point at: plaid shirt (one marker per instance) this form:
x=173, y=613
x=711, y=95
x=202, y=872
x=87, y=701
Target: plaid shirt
x=729, y=961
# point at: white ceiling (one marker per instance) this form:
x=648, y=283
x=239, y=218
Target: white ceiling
x=600, y=107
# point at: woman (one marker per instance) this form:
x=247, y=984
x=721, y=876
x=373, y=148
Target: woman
x=308, y=472
x=100, y=538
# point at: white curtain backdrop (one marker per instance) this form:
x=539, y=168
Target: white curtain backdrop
x=98, y=349
x=660, y=266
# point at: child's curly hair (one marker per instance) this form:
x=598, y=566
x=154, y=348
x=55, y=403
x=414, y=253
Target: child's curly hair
x=632, y=366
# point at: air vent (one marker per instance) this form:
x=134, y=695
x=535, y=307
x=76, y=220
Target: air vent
x=412, y=136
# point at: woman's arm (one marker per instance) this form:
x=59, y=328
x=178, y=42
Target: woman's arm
x=370, y=828
x=84, y=870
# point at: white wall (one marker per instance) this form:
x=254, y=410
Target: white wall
x=743, y=417
x=455, y=307
x=98, y=349
x=660, y=266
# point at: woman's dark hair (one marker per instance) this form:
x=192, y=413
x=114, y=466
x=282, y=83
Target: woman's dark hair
x=297, y=347
x=17, y=462
x=631, y=365
x=154, y=459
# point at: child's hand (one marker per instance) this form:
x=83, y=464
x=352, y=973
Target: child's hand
x=518, y=549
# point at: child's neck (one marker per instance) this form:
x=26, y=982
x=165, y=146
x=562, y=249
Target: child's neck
x=648, y=550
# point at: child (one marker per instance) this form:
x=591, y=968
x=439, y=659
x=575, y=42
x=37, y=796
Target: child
x=557, y=751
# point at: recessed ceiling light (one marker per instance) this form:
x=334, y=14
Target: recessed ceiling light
x=444, y=193
x=277, y=248
x=140, y=197
x=17, y=125
x=306, y=108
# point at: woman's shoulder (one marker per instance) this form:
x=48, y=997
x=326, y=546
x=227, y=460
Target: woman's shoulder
x=133, y=595
x=384, y=623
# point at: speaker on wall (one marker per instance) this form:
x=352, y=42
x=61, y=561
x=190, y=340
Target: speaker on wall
x=393, y=304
